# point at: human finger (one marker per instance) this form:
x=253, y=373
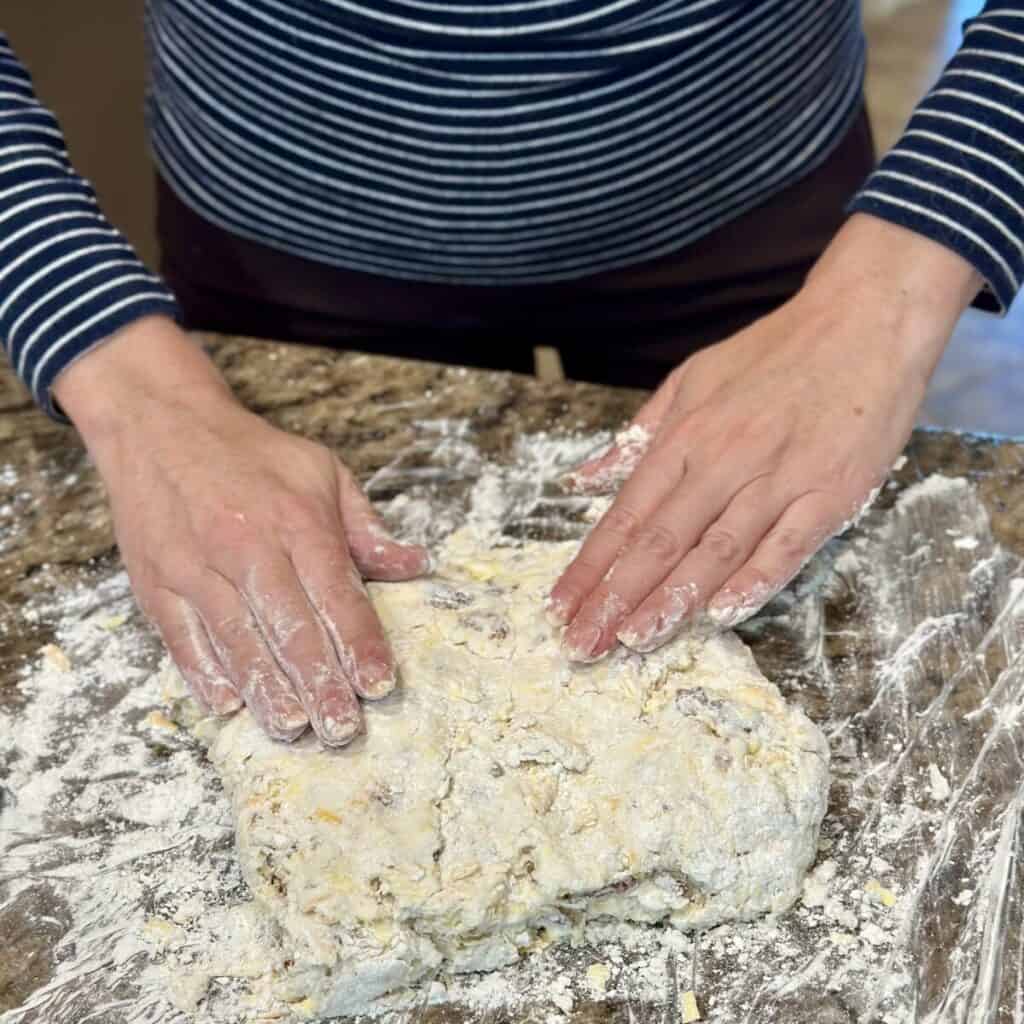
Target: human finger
x=376, y=554
x=185, y=637
x=654, y=551
x=302, y=648
x=241, y=648
x=336, y=591
x=805, y=525
x=607, y=470
x=722, y=549
x=650, y=484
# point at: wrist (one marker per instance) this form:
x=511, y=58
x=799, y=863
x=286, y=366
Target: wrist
x=916, y=287
x=149, y=365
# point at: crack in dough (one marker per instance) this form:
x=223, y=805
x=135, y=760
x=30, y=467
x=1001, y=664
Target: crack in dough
x=501, y=797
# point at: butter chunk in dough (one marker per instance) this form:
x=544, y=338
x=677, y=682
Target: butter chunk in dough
x=501, y=797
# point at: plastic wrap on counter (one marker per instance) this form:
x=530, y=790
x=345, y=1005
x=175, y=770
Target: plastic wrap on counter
x=904, y=641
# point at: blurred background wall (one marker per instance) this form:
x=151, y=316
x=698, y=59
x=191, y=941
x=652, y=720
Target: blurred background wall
x=87, y=61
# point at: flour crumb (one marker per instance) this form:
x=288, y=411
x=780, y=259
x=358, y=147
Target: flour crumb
x=871, y=933
x=55, y=657
x=817, y=883
x=938, y=783
x=560, y=993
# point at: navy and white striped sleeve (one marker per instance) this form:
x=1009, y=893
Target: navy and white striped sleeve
x=957, y=173
x=68, y=279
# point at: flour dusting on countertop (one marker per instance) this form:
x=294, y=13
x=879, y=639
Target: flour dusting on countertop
x=903, y=642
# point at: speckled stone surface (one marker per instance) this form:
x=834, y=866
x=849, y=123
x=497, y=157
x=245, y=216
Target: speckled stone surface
x=55, y=528
x=54, y=519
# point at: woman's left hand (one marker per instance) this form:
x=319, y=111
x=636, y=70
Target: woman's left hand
x=765, y=445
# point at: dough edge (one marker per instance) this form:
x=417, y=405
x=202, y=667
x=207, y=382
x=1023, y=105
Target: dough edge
x=340, y=847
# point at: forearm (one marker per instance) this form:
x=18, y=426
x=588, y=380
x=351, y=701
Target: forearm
x=954, y=176
x=148, y=366
x=920, y=287
x=68, y=279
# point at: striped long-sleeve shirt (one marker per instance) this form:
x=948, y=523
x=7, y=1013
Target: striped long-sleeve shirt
x=506, y=141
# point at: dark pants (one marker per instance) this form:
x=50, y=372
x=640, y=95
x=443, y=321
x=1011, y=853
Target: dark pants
x=629, y=326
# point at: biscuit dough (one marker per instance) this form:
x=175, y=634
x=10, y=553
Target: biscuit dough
x=501, y=797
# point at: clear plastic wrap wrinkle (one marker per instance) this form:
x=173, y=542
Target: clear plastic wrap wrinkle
x=903, y=640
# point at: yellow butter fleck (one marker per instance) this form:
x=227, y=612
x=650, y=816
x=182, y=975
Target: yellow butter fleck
x=688, y=1007
x=757, y=697
x=56, y=657
x=160, y=928
x=482, y=571
x=879, y=893
x=322, y=814
x=160, y=720
x=597, y=978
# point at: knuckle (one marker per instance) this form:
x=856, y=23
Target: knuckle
x=685, y=425
x=320, y=554
x=658, y=540
x=299, y=512
x=294, y=634
x=755, y=581
x=722, y=544
x=226, y=530
x=583, y=568
x=344, y=589
x=169, y=566
x=620, y=522
x=233, y=631
x=790, y=542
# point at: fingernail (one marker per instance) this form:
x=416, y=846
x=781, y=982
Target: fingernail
x=376, y=679
x=224, y=698
x=727, y=610
x=725, y=616
x=581, y=646
x=645, y=639
x=287, y=727
x=633, y=636
x=573, y=481
x=336, y=732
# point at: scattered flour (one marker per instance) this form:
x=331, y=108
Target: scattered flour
x=111, y=816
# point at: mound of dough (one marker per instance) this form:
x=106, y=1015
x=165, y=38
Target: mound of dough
x=501, y=797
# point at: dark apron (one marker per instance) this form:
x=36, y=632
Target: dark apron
x=628, y=327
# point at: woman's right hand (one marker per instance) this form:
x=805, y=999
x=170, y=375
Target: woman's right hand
x=246, y=546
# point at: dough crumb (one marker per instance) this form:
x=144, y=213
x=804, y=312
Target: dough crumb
x=597, y=979
x=817, y=883
x=940, y=788
x=879, y=893
x=688, y=1008
x=56, y=657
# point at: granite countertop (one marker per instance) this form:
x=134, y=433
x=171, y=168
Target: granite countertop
x=54, y=512
x=55, y=532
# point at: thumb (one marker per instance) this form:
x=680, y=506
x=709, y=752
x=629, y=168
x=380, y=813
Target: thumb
x=376, y=553
x=605, y=472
